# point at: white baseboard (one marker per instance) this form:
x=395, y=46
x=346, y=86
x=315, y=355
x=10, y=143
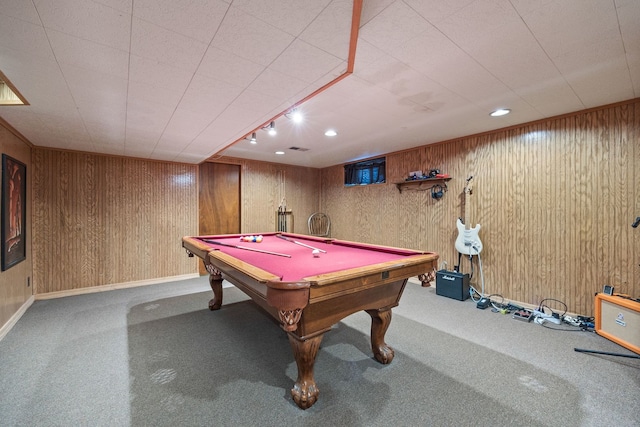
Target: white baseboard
x=114, y=286
x=4, y=330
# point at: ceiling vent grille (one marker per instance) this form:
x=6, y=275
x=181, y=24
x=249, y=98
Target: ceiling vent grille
x=298, y=149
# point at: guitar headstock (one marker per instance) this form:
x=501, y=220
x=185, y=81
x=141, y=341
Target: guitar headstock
x=468, y=189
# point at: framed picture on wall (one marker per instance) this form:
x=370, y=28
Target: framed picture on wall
x=14, y=212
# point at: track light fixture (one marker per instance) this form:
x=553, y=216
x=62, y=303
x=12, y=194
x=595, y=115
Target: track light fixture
x=295, y=115
x=253, y=138
x=271, y=128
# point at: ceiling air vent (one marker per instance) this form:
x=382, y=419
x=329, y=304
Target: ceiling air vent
x=298, y=149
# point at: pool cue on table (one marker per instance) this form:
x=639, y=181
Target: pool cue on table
x=245, y=248
x=299, y=243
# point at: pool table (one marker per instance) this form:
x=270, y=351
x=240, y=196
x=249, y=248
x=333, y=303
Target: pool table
x=309, y=292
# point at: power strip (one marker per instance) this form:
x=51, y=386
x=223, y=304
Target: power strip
x=547, y=317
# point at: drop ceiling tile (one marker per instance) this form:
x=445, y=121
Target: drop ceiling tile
x=291, y=16
x=559, y=27
x=331, y=30
x=89, y=55
x=106, y=131
x=147, y=117
x=197, y=20
x=186, y=157
x=551, y=97
x=24, y=38
x=255, y=104
x=88, y=20
x=275, y=88
x=169, y=156
x=436, y=57
x=210, y=95
x=166, y=96
x=304, y=62
x=20, y=9
x=371, y=9
x=513, y=38
x=139, y=151
x=251, y=38
x=95, y=87
x=436, y=11
x=229, y=67
x=161, y=45
x=161, y=75
x=393, y=27
x=124, y=6
x=40, y=82
x=184, y=126
x=478, y=21
x=172, y=143
x=595, y=89
x=135, y=137
x=405, y=83
x=629, y=15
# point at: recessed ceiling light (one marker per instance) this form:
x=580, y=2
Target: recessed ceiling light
x=279, y=153
x=500, y=112
x=331, y=132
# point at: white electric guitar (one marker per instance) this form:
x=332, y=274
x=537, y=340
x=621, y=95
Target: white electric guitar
x=468, y=242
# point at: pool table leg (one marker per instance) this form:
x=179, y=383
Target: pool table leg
x=380, y=321
x=427, y=278
x=305, y=391
x=215, y=281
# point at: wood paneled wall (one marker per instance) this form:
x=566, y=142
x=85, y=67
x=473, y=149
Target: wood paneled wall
x=102, y=220
x=555, y=201
x=265, y=185
x=15, y=283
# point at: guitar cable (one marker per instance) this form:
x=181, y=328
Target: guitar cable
x=473, y=290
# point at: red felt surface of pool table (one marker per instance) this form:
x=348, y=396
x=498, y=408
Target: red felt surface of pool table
x=339, y=255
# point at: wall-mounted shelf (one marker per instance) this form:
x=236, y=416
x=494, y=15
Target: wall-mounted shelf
x=421, y=184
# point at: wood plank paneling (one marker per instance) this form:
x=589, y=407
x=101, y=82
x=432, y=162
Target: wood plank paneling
x=101, y=220
x=555, y=200
x=15, y=283
x=264, y=186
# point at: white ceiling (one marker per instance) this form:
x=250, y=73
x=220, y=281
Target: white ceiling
x=183, y=80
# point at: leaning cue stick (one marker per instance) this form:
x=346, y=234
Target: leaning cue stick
x=245, y=248
x=632, y=356
x=300, y=243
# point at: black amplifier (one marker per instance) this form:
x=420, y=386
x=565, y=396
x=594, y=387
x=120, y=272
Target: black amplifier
x=452, y=284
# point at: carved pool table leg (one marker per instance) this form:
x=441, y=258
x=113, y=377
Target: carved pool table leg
x=305, y=391
x=380, y=321
x=427, y=278
x=215, y=281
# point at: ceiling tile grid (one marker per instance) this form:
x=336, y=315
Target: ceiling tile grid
x=182, y=80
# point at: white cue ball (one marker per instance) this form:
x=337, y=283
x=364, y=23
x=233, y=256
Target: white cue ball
x=316, y=253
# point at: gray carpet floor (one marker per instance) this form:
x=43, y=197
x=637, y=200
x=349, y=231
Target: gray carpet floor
x=155, y=356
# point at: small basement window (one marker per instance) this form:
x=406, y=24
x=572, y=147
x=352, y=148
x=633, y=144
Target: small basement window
x=365, y=173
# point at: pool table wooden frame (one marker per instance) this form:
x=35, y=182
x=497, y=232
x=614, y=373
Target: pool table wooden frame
x=308, y=308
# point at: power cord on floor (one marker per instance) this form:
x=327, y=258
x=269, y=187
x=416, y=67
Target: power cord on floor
x=473, y=291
